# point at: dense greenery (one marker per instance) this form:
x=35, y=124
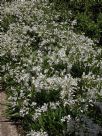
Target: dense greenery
x=88, y=15
x=51, y=72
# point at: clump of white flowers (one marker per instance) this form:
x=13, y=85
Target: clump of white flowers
x=38, y=133
x=49, y=71
x=66, y=118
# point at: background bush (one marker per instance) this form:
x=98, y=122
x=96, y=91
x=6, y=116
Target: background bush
x=88, y=15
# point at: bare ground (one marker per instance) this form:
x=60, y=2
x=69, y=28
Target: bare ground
x=7, y=128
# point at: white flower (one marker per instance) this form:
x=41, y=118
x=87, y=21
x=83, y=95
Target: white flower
x=66, y=118
x=74, y=22
x=37, y=133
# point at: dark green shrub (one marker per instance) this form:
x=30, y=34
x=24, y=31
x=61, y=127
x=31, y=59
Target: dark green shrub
x=88, y=15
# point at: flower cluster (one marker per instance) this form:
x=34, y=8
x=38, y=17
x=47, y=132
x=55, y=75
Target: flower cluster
x=38, y=133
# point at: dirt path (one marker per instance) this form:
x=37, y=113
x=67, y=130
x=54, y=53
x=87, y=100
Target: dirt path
x=6, y=127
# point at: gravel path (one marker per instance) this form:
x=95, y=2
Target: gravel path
x=6, y=127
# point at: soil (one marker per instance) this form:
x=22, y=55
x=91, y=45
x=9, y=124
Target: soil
x=7, y=128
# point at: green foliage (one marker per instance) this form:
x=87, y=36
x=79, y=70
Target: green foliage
x=88, y=15
x=7, y=20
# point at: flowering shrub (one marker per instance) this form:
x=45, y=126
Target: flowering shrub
x=53, y=77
